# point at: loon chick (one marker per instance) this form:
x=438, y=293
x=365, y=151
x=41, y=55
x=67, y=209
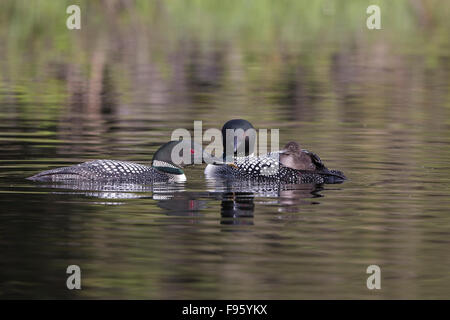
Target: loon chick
x=294, y=157
x=163, y=169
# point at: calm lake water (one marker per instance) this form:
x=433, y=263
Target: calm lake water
x=377, y=110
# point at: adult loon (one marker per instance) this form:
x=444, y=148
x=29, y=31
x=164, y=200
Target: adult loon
x=163, y=169
x=289, y=165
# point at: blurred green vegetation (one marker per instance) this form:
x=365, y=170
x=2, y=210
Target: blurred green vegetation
x=263, y=22
x=36, y=29
x=264, y=44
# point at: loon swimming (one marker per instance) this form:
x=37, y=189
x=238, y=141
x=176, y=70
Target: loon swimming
x=163, y=169
x=289, y=165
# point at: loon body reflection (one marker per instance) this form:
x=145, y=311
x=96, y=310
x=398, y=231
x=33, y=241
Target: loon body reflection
x=239, y=198
x=290, y=165
x=163, y=169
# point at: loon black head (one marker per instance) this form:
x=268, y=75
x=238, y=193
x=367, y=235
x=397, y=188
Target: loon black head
x=294, y=157
x=172, y=156
x=237, y=135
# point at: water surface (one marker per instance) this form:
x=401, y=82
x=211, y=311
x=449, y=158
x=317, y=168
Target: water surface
x=375, y=107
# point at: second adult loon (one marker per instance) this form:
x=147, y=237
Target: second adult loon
x=290, y=165
x=163, y=169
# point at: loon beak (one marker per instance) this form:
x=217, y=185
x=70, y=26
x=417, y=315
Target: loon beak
x=207, y=158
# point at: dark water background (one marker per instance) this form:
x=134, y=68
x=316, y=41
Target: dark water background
x=374, y=104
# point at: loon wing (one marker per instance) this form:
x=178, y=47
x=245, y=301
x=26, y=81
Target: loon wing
x=103, y=170
x=64, y=173
x=315, y=159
